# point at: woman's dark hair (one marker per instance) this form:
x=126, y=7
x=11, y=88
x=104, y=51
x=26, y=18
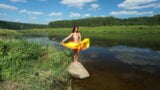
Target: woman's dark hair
x=74, y=28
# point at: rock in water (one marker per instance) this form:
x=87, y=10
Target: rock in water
x=77, y=70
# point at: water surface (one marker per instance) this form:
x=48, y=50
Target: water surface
x=117, y=67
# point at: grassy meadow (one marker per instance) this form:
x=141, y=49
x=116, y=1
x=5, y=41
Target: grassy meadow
x=9, y=33
x=140, y=35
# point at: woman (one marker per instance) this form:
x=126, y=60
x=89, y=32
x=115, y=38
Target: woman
x=76, y=39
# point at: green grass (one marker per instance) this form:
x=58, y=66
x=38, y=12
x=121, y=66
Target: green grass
x=110, y=32
x=9, y=33
x=140, y=35
x=31, y=66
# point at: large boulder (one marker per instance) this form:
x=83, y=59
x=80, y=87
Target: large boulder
x=77, y=70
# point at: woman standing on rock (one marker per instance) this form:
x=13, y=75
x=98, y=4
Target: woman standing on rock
x=76, y=44
x=76, y=39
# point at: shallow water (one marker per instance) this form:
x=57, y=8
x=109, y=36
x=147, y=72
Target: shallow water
x=120, y=68
x=117, y=67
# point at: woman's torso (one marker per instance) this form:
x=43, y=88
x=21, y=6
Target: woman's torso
x=76, y=37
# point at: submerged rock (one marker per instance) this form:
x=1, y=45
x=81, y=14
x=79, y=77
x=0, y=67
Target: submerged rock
x=77, y=70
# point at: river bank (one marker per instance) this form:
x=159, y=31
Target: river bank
x=28, y=65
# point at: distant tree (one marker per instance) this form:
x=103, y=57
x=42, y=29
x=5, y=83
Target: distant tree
x=107, y=21
x=88, y=22
x=18, y=26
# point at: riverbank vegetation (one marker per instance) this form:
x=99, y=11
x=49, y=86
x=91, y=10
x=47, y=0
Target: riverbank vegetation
x=31, y=66
x=9, y=33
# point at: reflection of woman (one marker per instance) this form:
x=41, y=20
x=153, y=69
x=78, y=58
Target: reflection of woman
x=76, y=39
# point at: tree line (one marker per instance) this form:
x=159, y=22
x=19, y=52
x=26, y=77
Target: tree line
x=107, y=21
x=88, y=22
x=18, y=26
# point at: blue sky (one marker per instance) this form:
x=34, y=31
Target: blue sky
x=44, y=11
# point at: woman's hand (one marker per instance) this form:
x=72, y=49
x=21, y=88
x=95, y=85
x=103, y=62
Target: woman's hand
x=69, y=36
x=62, y=42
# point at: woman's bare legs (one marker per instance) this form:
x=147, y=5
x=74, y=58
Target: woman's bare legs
x=76, y=56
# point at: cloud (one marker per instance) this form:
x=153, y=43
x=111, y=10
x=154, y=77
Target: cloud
x=76, y=3
x=42, y=0
x=17, y=20
x=86, y=15
x=102, y=15
x=73, y=14
x=2, y=14
x=139, y=4
x=58, y=19
x=33, y=17
x=56, y=14
x=30, y=12
x=23, y=1
x=94, y=7
x=9, y=7
x=131, y=13
x=136, y=56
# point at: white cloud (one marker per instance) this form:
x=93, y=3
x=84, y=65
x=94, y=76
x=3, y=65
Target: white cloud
x=136, y=56
x=139, y=4
x=94, y=7
x=86, y=15
x=58, y=19
x=33, y=17
x=17, y=20
x=2, y=14
x=23, y=11
x=30, y=12
x=76, y=3
x=56, y=14
x=73, y=14
x=23, y=1
x=102, y=16
x=9, y=7
x=42, y=0
x=131, y=13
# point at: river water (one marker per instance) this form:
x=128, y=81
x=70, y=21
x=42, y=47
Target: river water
x=119, y=67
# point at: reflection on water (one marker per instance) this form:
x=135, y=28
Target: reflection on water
x=44, y=40
x=116, y=67
x=137, y=56
x=120, y=68
x=132, y=56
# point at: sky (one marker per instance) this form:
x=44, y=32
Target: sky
x=44, y=11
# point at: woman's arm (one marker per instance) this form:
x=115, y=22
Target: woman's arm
x=69, y=36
